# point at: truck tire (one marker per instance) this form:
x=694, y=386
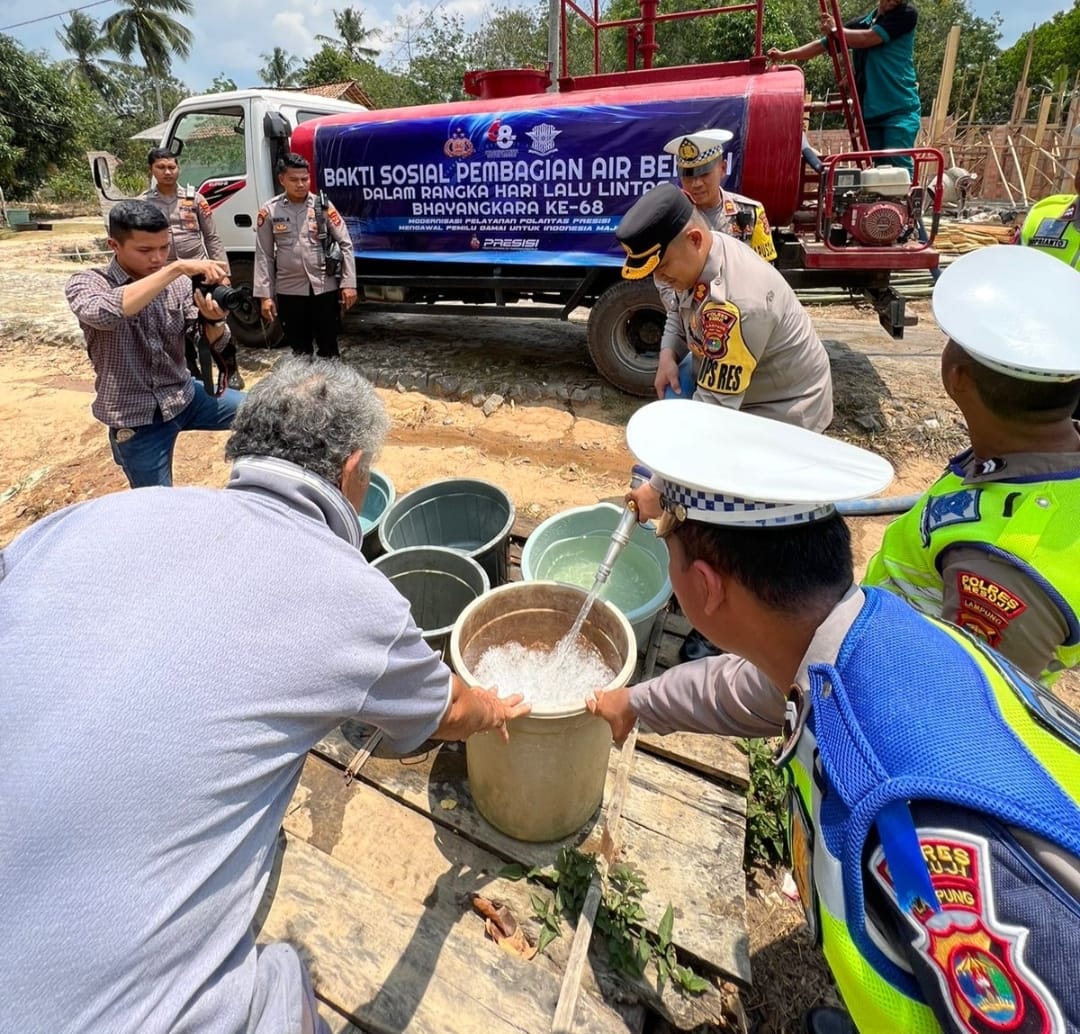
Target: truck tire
x=253, y=332
x=256, y=333
x=624, y=332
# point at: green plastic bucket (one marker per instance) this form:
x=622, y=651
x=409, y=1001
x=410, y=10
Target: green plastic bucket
x=380, y=496
x=569, y=547
x=438, y=583
x=465, y=514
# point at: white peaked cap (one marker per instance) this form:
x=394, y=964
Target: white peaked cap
x=692, y=150
x=722, y=466
x=1014, y=309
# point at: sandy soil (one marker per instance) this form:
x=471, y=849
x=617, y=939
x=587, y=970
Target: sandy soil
x=547, y=454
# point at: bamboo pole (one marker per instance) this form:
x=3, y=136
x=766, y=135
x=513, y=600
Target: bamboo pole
x=1019, y=170
x=1019, y=109
x=1001, y=171
x=945, y=83
x=1040, y=132
x=975, y=100
x=1042, y=150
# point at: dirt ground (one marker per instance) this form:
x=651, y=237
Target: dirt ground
x=548, y=452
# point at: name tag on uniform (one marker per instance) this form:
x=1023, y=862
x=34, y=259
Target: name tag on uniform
x=1051, y=234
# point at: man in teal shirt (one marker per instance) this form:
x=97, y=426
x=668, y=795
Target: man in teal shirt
x=883, y=43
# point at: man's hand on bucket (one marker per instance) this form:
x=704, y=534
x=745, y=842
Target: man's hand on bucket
x=473, y=710
x=613, y=705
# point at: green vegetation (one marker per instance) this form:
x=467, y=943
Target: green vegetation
x=630, y=947
x=766, y=808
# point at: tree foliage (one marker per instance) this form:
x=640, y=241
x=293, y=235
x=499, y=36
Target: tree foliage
x=352, y=38
x=281, y=69
x=83, y=40
x=40, y=118
x=1055, y=60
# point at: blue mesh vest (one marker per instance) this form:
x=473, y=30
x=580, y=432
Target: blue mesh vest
x=880, y=745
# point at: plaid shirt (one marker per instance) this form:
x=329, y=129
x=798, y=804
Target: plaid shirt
x=138, y=360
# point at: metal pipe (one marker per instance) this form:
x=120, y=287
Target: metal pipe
x=877, y=507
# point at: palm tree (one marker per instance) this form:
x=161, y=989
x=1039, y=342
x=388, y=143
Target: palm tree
x=280, y=69
x=82, y=39
x=147, y=26
x=351, y=34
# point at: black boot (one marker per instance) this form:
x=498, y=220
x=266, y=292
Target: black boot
x=696, y=646
x=825, y=1020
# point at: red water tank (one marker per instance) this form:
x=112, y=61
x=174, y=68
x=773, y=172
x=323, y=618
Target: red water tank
x=493, y=83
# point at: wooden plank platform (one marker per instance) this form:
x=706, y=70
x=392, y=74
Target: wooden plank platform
x=373, y=884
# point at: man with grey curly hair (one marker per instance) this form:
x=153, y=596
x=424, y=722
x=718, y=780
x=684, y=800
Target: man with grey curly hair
x=184, y=648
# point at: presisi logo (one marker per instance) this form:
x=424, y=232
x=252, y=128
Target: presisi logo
x=512, y=243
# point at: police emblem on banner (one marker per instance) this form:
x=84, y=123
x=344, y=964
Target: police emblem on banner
x=977, y=959
x=941, y=511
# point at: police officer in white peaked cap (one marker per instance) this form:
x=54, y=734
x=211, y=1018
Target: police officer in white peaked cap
x=699, y=161
x=992, y=546
x=930, y=852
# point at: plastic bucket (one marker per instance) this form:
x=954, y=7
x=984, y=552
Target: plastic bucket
x=569, y=547
x=474, y=517
x=549, y=779
x=438, y=583
x=380, y=496
x=506, y=82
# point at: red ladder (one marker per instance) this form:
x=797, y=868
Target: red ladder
x=848, y=103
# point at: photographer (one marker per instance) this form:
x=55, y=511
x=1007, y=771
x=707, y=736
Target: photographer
x=302, y=254
x=135, y=316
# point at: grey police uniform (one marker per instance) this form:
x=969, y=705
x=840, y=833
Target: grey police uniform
x=192, y=232
x=754, y=345
x=289, y=257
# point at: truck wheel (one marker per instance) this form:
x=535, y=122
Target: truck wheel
x=624, y=332
x=250, y=330
x=255, y=333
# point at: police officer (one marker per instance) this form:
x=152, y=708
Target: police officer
x=1053, y=226
x=992, y=546
x=699, y=159
x=934, y=793
x=191, y=222
x=753, y=344
x=294, y=275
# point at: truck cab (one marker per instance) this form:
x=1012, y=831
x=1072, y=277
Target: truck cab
x=227, y=144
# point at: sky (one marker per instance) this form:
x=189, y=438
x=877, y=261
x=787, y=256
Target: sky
x=230, y=35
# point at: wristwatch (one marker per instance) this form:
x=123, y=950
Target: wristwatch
x=214, y=323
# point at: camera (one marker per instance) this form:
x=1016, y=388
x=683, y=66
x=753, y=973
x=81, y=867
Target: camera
x=237, y=300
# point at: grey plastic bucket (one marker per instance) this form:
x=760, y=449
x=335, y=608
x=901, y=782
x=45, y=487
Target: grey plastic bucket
x=438, y=583
x=465, y=514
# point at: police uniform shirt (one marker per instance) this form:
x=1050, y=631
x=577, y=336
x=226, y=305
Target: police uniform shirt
x=754, y=345
x=192, y=232
x=757, y=232
x=1053, y=226
x=1032, y=627
x=289, y=257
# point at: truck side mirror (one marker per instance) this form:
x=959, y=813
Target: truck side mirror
x=276, y=126
x=176, y=146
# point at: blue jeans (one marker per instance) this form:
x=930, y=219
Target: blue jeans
x=146, y=457
x=686, y=379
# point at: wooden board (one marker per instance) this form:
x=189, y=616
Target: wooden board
x=415, y=860
x=682, y=831
x=391, y=965
x=715, y=756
